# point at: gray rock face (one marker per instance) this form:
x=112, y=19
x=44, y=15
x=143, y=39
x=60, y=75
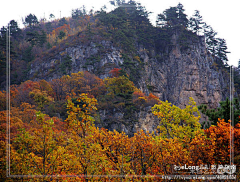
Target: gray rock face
x=184, y=75
x=90, y=58
x=180, y=75
x=146, y=121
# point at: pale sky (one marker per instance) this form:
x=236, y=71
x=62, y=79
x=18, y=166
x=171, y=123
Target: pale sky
x=223, y=16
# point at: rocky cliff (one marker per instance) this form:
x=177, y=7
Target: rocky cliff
x=174, y=75
x=184, y=74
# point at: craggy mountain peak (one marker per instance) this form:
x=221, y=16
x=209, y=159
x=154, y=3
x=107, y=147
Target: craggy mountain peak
x=170, y=60
x=174, y=77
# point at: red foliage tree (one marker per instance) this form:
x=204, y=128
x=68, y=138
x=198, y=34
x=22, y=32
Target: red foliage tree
x=115, y=72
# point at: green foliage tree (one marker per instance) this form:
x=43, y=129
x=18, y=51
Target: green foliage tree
x=174, y=16
x=2, y=63
x=216, y=46
x=127, y=23
x=27, y=54
x=210, y=37
x=32, y=37
x=66, y=65
x=3, y=45
x=3, y=31
x=79, y=12
x=119, y=95
x=3, y=42
x=196, y=23
x=221, y=50
x=49, y=27
x=222, y=112
x=119, y=85
x=42, y=39
x=182, y=17
x=161, y=20
x=61, y=34
x=117, y=2
x=15, y=31
x=31, y=20
x=51, y=16
x=62, y=21
x=36, y=38
x=171, y=16
x=2, y=52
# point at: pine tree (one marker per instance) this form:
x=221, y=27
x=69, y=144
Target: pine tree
x=172, y=17
x=222, y=112
x=161, y=20
x=210, y=38
x=182, y=17
x=31, y=20
x=14, y=30
x=221, y=50
x=79, y=12
x=196, y=23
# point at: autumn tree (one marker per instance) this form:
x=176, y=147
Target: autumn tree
x=117, y=149
x=141, y=100
x=93, y=85
x=115, y=72
x=58, y=89
x=25, y=112
x=2, y=100
x=142, y=153
x=176, y=122
x=119, y=85
x=80, y=125
x=40, y=98
x=22, y=92
x=167, y=153
x=119, y=94
x=38, y=147
x=220, y=134
x=201, y=149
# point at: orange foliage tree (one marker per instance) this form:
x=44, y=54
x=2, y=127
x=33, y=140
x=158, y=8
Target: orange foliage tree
x=41, y=145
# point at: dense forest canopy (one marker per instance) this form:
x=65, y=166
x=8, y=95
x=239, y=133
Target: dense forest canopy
x=53, y=132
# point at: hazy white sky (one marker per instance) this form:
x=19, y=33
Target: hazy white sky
x=223, y=16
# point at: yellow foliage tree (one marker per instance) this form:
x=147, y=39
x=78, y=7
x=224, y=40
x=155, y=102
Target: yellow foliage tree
x=176, y=122
x=119, y=85
x=80, y=131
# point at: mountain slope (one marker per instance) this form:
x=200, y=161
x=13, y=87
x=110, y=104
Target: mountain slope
x=170, y=60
